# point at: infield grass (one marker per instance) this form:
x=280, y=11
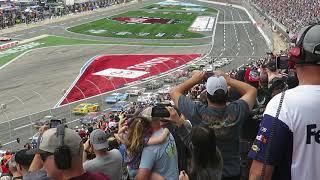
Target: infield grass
x=111, y=27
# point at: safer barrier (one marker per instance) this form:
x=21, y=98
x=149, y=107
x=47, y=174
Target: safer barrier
x=8, y=45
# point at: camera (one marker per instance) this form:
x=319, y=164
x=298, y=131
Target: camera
x=56, y=122
x=160, y=110
x=282, y=62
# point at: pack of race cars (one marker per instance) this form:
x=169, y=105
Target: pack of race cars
x=153, y=91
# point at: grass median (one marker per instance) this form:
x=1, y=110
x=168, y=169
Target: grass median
x=109, y=27
x=49, y=41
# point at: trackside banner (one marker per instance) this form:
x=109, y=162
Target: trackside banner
x=109, y=72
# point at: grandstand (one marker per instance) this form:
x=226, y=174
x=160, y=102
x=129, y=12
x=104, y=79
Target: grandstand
x=97, y=67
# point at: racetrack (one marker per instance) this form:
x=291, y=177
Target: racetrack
x=36, y=81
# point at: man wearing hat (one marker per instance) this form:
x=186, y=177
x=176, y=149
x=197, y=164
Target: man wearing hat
x=23, y=160
x=288, y=146
x=226, y=119
x=106, y=162
x=61, y=151
x=160, y=159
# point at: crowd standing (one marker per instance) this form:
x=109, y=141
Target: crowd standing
x=294, y=14
x=13, y=14
x=260, y=121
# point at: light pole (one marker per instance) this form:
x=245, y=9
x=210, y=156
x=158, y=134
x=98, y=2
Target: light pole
x=21, y=101
x=81, y=93
x=41, y=97
x=100, y=93
x=3, y=107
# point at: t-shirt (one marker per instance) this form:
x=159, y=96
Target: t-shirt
x=109, y=165
x=227, y=123
x=91, y=176
x=295, y=144
x=161, y=158
x=36, y=175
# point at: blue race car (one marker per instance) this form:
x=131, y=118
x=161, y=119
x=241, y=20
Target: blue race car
x=115, y=97
x=120, y=106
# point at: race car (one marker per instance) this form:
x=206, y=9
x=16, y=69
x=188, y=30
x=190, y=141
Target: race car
x=120, y=106
x=193, y=67
x=164, y=90
x=169, y=79
x=85, y=108
x=148, y=97
x=91, y=118
x=115, y=97
x=135, y=91
x=5, y=39
x=154, y=84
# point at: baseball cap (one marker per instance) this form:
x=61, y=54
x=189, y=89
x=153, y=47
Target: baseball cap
x=98, y=139
x=252, y=75
x=215, y=83
x=24, y=158
x=147, y=113
x=112, y=124
x=311, y=41
x=49, y=141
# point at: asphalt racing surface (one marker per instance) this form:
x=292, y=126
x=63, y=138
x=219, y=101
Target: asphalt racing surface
x=36, y=81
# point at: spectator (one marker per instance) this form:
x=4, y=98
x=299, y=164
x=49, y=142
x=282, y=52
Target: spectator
x=272, y=71
x=293, y=14
x=13, y=168
x=160, y=158
x=61, y=151
x=106, y=162
x=23, y=160
x=206, y=160
x=225, y=119
x=288, y=145
x=136, y=138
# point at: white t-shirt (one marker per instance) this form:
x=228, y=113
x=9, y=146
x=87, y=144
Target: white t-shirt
x=295, y=147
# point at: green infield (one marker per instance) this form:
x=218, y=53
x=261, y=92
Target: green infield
x=9, y=54
x=109, y=27
x=180, y=8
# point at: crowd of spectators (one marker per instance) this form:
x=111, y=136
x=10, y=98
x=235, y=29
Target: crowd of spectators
x=16, y=14
x=294, y=14
x=204, y=132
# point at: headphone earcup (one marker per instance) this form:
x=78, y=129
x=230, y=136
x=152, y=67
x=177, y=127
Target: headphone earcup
x=63, y=157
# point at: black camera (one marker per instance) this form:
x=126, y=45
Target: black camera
x=160, y=110
x=55, y=122
x=282, y=62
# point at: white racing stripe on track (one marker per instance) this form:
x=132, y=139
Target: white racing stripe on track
x=236, y=33
x=246, y=30
x=235, y=22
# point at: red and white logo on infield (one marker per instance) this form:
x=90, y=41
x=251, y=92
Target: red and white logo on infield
x=122, y=73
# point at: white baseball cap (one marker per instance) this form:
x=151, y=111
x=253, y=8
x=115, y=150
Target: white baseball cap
x=215, y=83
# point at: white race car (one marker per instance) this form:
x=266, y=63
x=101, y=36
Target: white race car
x=135, y=91
x=148, y=97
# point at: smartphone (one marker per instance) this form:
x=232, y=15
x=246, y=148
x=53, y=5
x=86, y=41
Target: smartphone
x=54, y=123
x=160, y=111
x=282, y=62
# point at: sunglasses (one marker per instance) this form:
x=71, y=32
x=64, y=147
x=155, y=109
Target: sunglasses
x=45, y=155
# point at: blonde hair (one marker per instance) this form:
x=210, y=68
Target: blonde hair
x=138, y=130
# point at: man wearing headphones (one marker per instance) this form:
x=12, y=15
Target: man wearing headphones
x=288, y=142
x=61, y=151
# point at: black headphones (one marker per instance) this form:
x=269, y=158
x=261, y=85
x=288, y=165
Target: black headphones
x=62, y=154
x=297, y=54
